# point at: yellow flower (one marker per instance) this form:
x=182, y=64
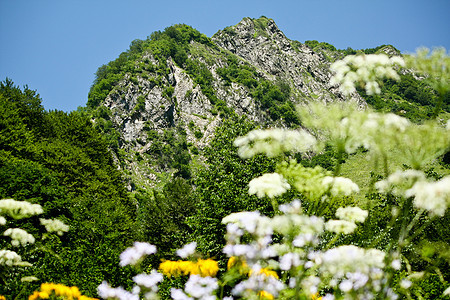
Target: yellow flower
x=268, y=273
x=316, y=297
x=207, y=267
x=265, y=295
x=168, y=268
x=235, y=261
x=203, y=267
x=2, y=297
x=59, y=290
x=39, y=295
x=244, y=269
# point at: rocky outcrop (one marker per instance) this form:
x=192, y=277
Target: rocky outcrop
x=261, y=43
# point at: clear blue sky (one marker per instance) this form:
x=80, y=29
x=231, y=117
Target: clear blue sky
x=56, y=46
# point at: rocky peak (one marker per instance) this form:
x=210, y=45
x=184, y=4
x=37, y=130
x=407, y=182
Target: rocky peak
x=264, y=45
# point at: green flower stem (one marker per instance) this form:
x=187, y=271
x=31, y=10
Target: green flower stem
x=274, y=203
x=222, y=286
x=402, y=241
x=384, y=233
x=332, y=241
x=438, y=106
x=20, y=293
x=340, y=147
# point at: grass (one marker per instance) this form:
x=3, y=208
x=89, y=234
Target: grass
x=358, y=168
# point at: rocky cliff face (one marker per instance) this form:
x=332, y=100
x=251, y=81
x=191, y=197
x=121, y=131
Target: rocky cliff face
x=262, y=44
x=145, y=106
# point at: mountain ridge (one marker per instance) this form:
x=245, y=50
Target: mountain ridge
x=183, y=82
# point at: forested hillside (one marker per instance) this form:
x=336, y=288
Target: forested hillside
x=60, y=161
x=153, y=158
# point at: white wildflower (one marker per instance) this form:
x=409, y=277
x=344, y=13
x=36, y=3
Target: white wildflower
x=357, y=279
x=270, y=185
x=393, y=121
x=2, y=220
x=252, y=222
x=396, y=264
x=29, y=279
x=296, y=224
x=178, y=294
x=54, y=225
x=240, y=250
x=340, y=186
x=289, y=260
x=346, y=285
x=187, y=250
x=294, y=207
x=340, y=226
x=234, y=233
x=149, y=281
x=105, y=291
x=9, y=258
x=201, y=287
x=133, y=255
x=446, y=292
x=372, y=87
x=304, y=239
x=258, y=282
x=273, y=142
x=432, y=196
x=405, y=284
x=399, y=181
x=352, y=214
x=364, y=69
x=19, y=209
x=310, y=284
x=348, y=258
x=19, y=237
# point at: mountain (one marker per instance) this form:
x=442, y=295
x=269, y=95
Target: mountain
x=162, y=100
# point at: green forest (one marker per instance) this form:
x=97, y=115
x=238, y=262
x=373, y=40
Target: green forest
x=71, y=164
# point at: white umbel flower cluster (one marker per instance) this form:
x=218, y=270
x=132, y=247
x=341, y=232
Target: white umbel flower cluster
x=364, y=69
x=340, y=226
x=369, y=130
x=105, y=291
x=147, y=284
x=9, y=258
x=19, y=209
x=432, y=196
x=270, y=185
x=349, y=258
x=296, y=223
x=351, y=268
x=250, y=221
x=352, y=214
x=201, y=287
x=149, y=281
x=340, y=186
x=187, y=250
x=258, y=283
x=273, y=142
x=54, y=225
x=19, y=237
x=400, y=181
x=133, y=255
